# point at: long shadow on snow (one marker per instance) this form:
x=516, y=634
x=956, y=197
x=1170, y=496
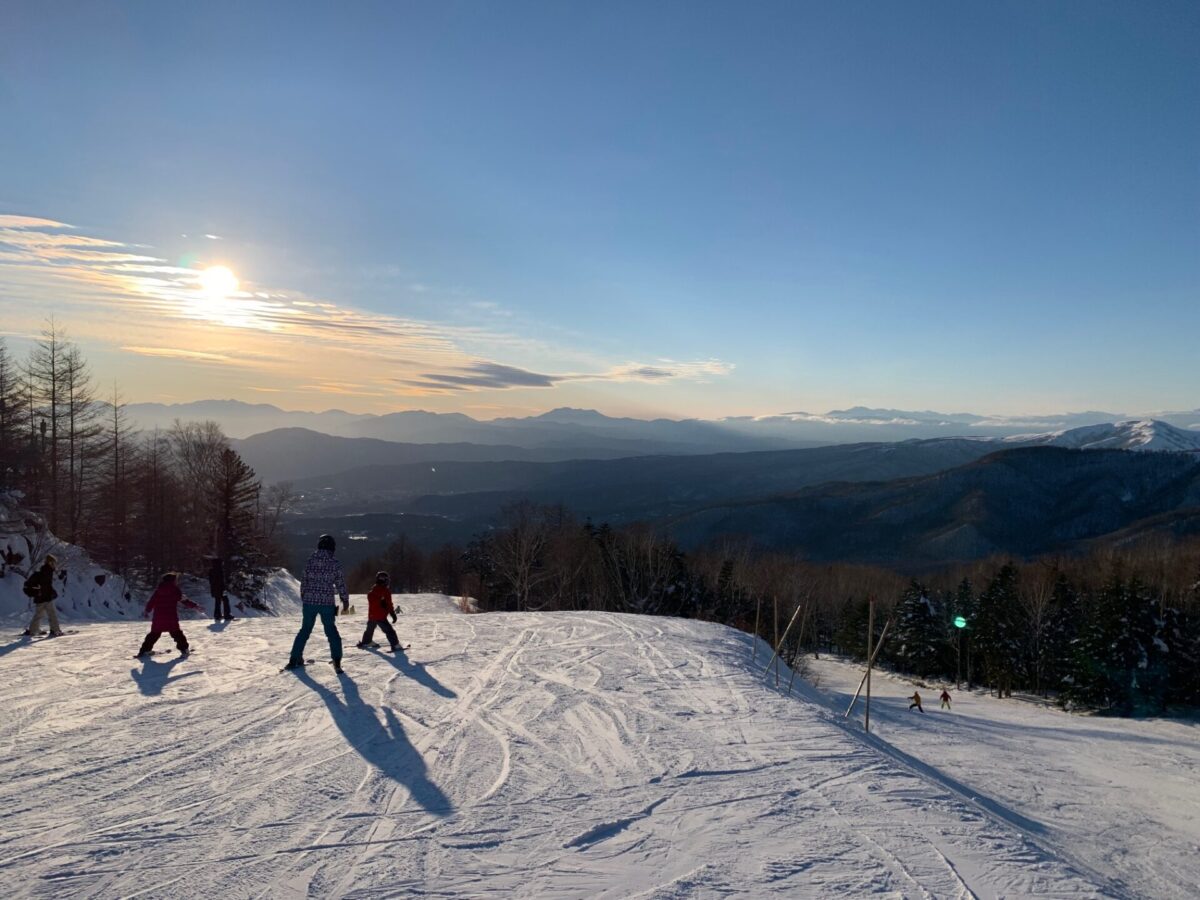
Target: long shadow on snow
x=386, y=747
x=153, y=676
x=18, y=643
x=416, y=672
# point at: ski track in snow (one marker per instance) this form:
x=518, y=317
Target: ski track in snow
x=547, y=755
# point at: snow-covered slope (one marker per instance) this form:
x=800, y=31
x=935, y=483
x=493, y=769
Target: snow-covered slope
x=532, y=755
x=1121, y=795
x=1147, y=434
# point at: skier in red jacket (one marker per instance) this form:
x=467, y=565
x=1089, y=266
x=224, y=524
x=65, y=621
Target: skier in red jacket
x=380, y=607
x=164, y=603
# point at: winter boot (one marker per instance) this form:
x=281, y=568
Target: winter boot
x=337, y=666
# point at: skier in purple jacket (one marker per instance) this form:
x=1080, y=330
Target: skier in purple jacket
x=323, y=575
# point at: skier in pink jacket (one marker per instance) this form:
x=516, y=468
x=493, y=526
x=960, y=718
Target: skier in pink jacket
x=164, y=603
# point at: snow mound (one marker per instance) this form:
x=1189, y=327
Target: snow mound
x=533, y=755
x=88, y=592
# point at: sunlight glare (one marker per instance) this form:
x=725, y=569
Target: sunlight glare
x=218, y=281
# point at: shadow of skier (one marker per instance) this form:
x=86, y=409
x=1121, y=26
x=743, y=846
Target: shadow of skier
x=218, y=626
x=19, y=642
x=416, y=672
x=153, y=676
x=384, y=745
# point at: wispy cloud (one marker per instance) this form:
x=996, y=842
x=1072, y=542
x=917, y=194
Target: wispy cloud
x=176, y=353
x=483, y=375
x=127, y=297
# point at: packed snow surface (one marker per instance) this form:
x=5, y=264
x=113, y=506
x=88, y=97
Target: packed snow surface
x=532, y=755
x=1120, y=796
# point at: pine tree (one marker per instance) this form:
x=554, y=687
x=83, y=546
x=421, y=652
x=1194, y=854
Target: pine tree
x=998, y=630
x=234, y=497
x=919, y=639
x=1061, y=634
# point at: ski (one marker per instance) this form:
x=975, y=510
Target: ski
x=46, y=636
x=307, y=662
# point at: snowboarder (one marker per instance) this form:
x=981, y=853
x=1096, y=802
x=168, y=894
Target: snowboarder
x=945, y=699
x=323, y=575
x=164, y=603
x=216, y=586
x=916, y=701
x=380, y=605
x=39, y=587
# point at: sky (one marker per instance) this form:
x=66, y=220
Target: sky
x=647, y=208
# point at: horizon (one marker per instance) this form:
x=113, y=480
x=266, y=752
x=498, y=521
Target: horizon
x=712, y=213
x=813, y=417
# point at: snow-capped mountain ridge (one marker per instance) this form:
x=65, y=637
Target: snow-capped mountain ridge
x=1134, y=434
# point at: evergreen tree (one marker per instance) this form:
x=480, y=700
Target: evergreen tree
x=1058, y=647
x=998, y=630
x=235, y=495
x=919, y=639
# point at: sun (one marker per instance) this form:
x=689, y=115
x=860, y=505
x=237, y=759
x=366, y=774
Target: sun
x=218, y=281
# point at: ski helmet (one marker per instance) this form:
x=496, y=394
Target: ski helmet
x=382, y=578
x=326, y=542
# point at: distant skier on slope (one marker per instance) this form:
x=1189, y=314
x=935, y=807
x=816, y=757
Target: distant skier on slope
x=323, y=575
x=916, y=701
x=164, y=604
x=380, y=607
x=216, y=587
x=39, y=587
x=945, y=699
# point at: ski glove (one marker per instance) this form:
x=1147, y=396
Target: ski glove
x=393, y=617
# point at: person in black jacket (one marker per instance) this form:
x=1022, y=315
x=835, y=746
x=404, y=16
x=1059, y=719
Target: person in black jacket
x=40, y=588
x=216, y=587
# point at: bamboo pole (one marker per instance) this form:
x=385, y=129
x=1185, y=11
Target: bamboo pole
x=775, y=655
x=878, y=647
x=799, y=640
x=870, y=659
x=757, y=616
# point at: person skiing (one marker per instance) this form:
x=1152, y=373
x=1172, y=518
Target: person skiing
x=216, y=587
x=164, y=604
x=380, y=606
x=39, y=587
x=323, y=575
x=945, y=699
x=916, y=701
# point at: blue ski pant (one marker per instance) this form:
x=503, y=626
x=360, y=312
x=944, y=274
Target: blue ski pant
x=328, y=614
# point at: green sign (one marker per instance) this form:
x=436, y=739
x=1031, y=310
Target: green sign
x=960, y=622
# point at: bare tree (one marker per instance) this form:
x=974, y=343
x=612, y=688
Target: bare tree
x=519, y=548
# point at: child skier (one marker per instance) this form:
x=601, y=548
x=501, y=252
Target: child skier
x=916, y=701
x=164, y=603
x=323, y=575
x=381, y=606
x=39, y=587
x=945, y=699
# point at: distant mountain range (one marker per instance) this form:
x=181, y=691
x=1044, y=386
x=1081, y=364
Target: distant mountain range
x=569, y=432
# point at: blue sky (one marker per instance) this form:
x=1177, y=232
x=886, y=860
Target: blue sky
x=648, y=208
